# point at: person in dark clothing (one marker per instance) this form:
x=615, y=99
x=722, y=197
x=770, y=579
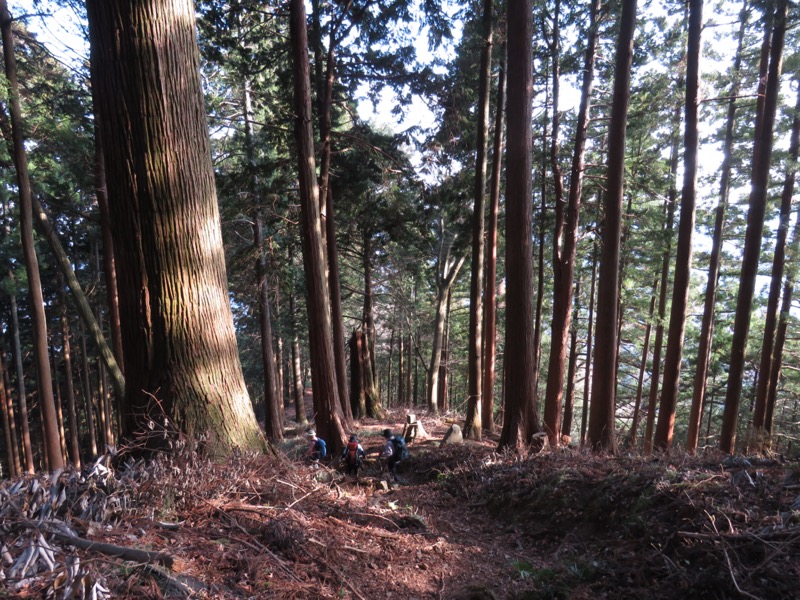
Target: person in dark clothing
x=353, y=455
x=393, y=452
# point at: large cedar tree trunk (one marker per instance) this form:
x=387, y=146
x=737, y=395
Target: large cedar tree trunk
x=762, y=155
x=602, y=431
x=520, y=420
x=181, y=359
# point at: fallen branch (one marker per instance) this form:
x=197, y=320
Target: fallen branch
x=780, y=534
x=123, y=552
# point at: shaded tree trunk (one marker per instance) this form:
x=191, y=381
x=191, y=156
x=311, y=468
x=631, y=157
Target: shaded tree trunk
x=472, y=422
x=569, y=396
x=87, y=394
x=182, y=361
x=297, y=374
x=565, y=247
x=521, y=419
x=768, y=344
x=589, y=339
x=602, y=434
x=752, y=246
x=72, y=410
x=27, y=448
x=709, y=305
x=490, y=310
x=643, y=368
x=683, y=261
x=9, y=424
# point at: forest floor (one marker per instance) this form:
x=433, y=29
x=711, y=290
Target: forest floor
x=463, y=523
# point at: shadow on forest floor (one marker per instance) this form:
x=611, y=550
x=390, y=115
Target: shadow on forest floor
x=463, y=523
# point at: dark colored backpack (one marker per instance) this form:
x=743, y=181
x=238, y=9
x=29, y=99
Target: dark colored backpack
x=320, y=447
x=351, y=453
x=400, y=447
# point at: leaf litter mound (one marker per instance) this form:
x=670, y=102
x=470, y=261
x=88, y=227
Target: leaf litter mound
x=463, y=523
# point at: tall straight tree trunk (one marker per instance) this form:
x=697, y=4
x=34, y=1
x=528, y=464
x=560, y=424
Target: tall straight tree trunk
x=52, y=441
x=273, y=427
x=181, y=358
x=602, y=434
x=472, y=422
x=521, y=419
x=569, y=396
x=109, y=269
x=9, y=425
x=683, y=262
x=401, y=367
x=709, y=305
x=389, y=387
x=768, y=345
x=658, y=344
x=27, y=449
x=72, y=410
x=297, y=374
x=490, y=310
x=87, y=394
x=329, y=418
x=368, y=324
x=752, y=245
x=564, y=251
x=410, y=395
x=643, y=367
x=587, y=381
x=444, y=366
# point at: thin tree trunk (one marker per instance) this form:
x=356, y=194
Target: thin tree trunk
x=658, y=345
x=22, y=395
x=72, y=411
x=273, y=426
x=9, y=426
x=490, y=310
x=643, y=368
x=709, y=306
x=44, y=379
x=401, y=378
x=297, y=374
x=472, y=422
x=565, y=247
x=587, y=382
x=521, y=417
x=602, y=433
x=683, y=261
x=569, y=396
x=752, y=245
x=768, y=345
x=444, y=366
x=87, y=393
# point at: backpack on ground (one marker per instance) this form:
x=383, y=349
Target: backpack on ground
x=351, y=454
x=399, y=447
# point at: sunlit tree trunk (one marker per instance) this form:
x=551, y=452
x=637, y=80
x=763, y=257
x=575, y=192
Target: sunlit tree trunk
x=182, y=364
x=683, y=261
x=569, y=394
x=709, y=305
x=52, y=440
x=27, y=449
x=602, y=431
x=520, y=420
x=631, y=441
x=752, y=244
x=490, y=310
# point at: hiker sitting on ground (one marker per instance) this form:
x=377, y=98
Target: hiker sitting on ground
x=317, y=449
x=394, y=451
x=353, y=455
